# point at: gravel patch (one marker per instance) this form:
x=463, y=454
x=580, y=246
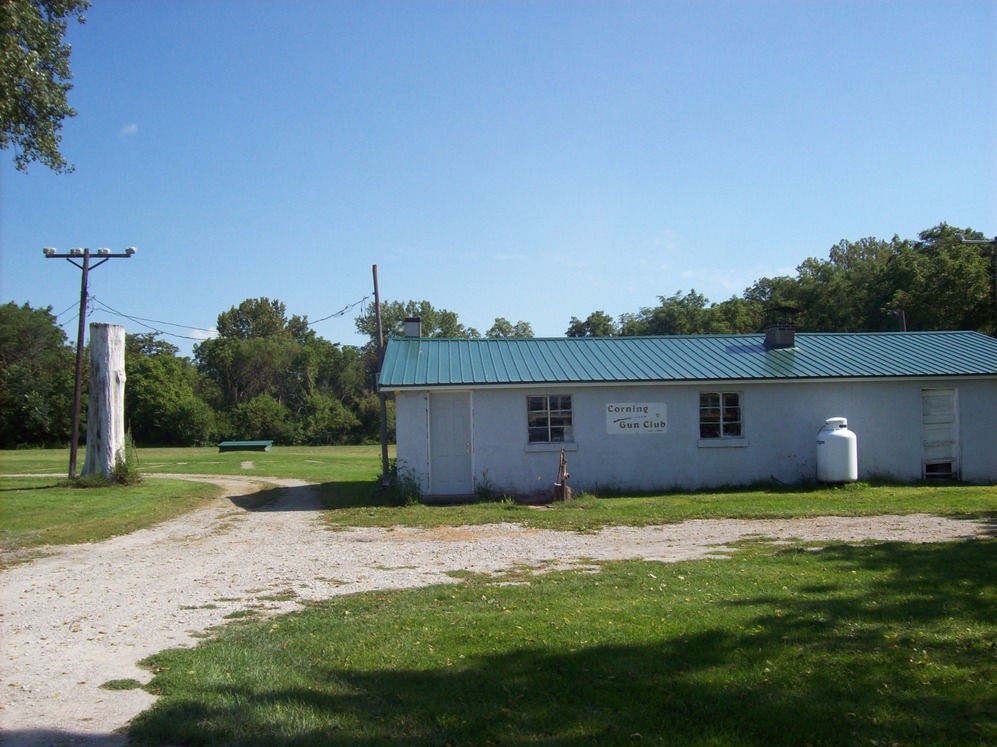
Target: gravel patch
x=86, y=614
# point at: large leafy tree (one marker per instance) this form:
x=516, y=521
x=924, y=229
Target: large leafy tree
x=678, y=314
x=331, y=387
x=254, y=351
x=596, y=324
x=264, y=417
x=277, y=379
x=940, y=283
x=868, y=285
x=850, y=290
x=871, y=285
x=262, y=317
x=504, y=328
x=34, y=78
x=36, y=378
x=777, y=291
x=326, y=420
x=162, y=404
x=737, y=316
x=435, y=322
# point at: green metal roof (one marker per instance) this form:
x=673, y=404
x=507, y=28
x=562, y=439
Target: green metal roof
x=431, y=362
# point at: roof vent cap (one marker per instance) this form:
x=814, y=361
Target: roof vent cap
x=413, y=327
x=780, y=327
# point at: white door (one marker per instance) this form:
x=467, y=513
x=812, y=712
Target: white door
x=940, y=433
x=450, y=444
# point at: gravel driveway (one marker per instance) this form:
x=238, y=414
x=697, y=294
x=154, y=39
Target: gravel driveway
x=87, y=614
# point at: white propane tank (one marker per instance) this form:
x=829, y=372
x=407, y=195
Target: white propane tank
x=837, y=452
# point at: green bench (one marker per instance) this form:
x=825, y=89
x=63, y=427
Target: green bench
x=245, y=446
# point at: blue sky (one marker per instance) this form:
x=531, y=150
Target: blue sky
x=527, y=160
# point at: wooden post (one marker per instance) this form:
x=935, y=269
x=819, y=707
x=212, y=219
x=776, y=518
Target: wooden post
x=74, y=438
x=106, y=405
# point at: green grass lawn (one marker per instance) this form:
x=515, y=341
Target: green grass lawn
x=889, y=644
x=312, y=463
x=348, y=482
x=881, y=644
x=48, y=511
x=589, y=512
x=36, y=512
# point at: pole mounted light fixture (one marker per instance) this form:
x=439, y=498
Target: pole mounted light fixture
x=76, y=252
x=985, y=242
x=83, y=254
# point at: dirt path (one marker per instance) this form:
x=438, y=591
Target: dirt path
x=88, y=613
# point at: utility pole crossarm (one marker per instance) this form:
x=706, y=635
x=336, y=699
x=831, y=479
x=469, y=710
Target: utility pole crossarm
x=72, y=254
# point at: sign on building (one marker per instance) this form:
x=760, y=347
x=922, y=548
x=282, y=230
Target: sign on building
x=638, y=418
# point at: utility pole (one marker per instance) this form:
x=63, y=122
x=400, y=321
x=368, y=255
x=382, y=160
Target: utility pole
x=385, y=477
x=83, y=255
x=984, y=242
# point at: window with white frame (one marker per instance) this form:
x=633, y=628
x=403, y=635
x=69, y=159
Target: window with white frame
x=720, y=415
x=548, y=419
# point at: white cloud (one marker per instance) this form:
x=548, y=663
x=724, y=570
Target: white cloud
x=718, y=286
x=204, y=334
x=666, y=240
x=128, y=130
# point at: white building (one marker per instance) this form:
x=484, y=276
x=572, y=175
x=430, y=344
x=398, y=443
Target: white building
x=689, y=412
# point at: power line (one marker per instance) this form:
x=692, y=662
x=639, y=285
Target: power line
x=71, y=306
x=144, y=319
x=141, y=321
x=341, y=312
x=71, y=319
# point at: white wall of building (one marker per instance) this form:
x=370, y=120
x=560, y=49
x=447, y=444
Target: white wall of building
x=781, y=421
x=978, y=431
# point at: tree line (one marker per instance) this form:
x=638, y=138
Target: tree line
x=934, y=282
x=266, y=375
x=269, y=375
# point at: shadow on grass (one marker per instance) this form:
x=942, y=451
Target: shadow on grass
x=54, y=485
x=320, y=496
x=990, y=530
x=839, y=663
